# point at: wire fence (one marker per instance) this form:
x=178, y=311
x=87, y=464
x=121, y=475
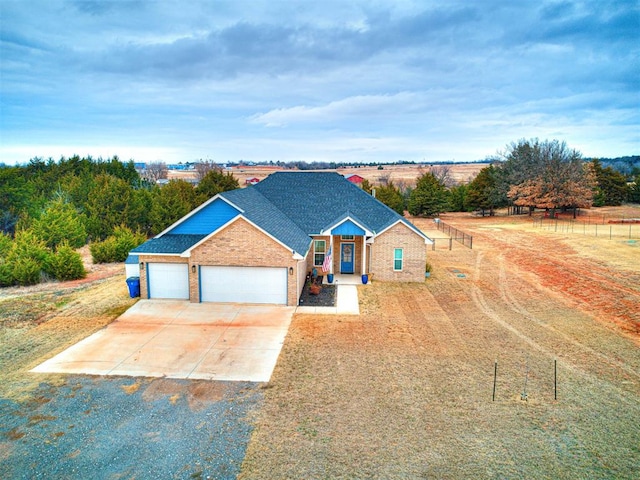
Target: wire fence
x=441, y=243
x=455, y=234
x=593, y=226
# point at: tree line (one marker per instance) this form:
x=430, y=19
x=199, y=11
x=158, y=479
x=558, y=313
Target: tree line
x=50, y=208
x=530, y=174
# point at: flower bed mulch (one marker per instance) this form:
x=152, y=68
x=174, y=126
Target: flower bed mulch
x=326, y=297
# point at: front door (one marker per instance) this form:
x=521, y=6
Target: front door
x=346, y=257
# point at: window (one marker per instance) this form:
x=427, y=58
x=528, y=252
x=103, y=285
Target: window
x=347, y=237
x=397, y=259
x=319, y=249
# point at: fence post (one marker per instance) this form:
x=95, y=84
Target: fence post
x=555, y=379
x=495, y=376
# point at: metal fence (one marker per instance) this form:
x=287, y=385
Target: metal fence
x=626, y=230
x=441, y=243
x=457, y=235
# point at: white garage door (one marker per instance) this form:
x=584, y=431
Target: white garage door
x=168, y=280
x=243, y=284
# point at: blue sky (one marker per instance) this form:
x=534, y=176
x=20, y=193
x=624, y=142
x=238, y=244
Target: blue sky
x=353, y=81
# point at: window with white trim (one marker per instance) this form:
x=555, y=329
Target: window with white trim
x=319, y=251
x=398, y=258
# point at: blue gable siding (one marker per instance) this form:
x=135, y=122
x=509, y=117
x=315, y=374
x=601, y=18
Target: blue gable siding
x=207, y=220
x=347, y=228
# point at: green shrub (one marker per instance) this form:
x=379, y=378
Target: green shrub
x=28, y=245
x=126, y=240
x=65, y=264
x=103, y=252
x=26, y=271
x=60, y=222
x=116, y=248
x=6, y=274
x=23, y=262
x=5, y=245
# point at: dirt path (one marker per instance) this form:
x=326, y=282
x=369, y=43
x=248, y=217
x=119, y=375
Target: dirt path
x=405, y=390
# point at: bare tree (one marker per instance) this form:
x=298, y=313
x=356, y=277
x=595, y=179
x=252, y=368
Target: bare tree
x=205, y=166
x=384, y=179
x=155, y=171
x=443, y=175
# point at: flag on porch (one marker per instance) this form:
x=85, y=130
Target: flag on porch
x=326, y=265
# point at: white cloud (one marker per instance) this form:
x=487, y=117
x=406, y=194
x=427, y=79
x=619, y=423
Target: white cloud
x=360, y=106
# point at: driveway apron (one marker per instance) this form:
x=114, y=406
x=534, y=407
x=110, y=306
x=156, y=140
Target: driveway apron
x=178, y=339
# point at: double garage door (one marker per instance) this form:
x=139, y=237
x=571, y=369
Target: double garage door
x=243, y=284
x=220, y=284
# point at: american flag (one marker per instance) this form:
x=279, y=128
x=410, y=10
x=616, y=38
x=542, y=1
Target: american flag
x=326, y=265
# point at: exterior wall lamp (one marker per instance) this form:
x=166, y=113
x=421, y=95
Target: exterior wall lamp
x=141, y=264
x=193, y=269
x=290, y=270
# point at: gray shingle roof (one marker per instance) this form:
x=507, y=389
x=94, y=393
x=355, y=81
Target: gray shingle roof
x=267, y=216
x=292, y=206
x=169, y=243
x=314, y=200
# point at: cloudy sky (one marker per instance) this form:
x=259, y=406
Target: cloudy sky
x=331, y=80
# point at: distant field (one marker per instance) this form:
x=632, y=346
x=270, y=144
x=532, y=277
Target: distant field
x=406, y=174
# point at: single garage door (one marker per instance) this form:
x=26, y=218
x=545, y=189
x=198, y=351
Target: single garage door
x=243, y=284
x=168, y=280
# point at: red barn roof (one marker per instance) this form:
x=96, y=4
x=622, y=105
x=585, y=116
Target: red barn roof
x=354, y=178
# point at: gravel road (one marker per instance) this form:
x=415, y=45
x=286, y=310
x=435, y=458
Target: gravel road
x=114, y=427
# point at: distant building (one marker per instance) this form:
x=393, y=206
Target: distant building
x=354, y=178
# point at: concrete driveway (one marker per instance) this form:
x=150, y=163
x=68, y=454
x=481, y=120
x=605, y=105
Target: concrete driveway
x=178, y=339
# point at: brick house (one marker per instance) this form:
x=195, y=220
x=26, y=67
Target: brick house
x=257, y=244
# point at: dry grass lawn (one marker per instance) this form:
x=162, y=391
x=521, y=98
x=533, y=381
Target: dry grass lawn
x=41, y=321
x=405, y=389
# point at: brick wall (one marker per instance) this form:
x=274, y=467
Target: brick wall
x=242, y=244
x=415, y=255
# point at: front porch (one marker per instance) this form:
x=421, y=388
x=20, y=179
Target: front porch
x=345, y=279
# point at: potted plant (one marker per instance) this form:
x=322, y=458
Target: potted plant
x=314, y=289
x=427, y=270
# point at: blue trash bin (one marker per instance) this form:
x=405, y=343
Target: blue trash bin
x=134, y=286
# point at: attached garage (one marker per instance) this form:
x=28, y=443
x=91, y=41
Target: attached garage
x=168, y=280
x=243, y=284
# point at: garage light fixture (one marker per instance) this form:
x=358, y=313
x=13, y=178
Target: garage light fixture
x=290, y=270
x=193, y=269
x=141, y=264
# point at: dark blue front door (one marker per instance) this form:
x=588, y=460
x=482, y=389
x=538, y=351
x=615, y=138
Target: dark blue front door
x=346, y=257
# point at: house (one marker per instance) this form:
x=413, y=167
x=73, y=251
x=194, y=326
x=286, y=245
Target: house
x=355, y=178
x=251, y=181
x=258, y=244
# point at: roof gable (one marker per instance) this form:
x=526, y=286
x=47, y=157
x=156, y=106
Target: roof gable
x=207, y=219
x=264, y=214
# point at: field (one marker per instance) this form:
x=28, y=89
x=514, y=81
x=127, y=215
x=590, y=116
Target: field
x=405, y=389
x=399, y=174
